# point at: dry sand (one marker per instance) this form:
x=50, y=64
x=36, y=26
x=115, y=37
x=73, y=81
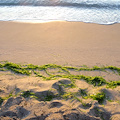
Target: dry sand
x=69, y=43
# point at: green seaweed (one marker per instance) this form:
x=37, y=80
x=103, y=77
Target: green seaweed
x=68, y=95
x=71, y=85
x=17, y=68
x=1, y=65
x=113, y=68
x=10, y=65
x=32, y=67
x=49, y=97
x=99, y=97
x=64, y=72
x=1, y=100
x=113, y=84
x=96, y=81
x=27, y=93
x=83, y=93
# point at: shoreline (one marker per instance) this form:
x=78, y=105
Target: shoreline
x=49, y=21
x=72, y=43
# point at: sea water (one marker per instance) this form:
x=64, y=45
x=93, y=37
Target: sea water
x=93, y=11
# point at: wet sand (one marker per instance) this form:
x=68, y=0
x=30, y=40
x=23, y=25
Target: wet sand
x=72, y=43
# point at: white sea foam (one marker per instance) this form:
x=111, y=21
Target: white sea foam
x=94, y=11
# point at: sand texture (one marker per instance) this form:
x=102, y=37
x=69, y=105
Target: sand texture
x=72, y=43
x=54, y=92
x=65, y=88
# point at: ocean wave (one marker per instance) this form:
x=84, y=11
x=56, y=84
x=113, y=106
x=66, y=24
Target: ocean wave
x=75, y=3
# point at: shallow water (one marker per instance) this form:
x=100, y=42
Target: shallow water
x=97, y=11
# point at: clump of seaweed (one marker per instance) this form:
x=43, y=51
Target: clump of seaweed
x=28, y=93
x=17, y=68
x=99, y=97
x=49, y=97
x=113, y=84
x=96, y=81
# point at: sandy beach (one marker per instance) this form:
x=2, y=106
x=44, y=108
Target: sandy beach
x=59, y=92
x=72, y=43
